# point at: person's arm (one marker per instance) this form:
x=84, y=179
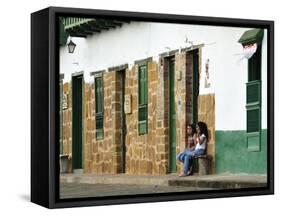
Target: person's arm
x=201, y=139
x=194, y=142
x=186, y=145
x=192, y=147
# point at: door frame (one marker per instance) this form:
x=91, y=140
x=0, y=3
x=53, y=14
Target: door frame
x=172, y=157
x=122, y=73
x=195, y=84
x=75, y=76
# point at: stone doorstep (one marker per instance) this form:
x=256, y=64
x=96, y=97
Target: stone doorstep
x=208, y=181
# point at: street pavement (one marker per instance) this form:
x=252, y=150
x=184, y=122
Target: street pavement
x=89, y=185
x=82, y=190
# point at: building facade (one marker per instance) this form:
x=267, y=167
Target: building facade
x=130, y=88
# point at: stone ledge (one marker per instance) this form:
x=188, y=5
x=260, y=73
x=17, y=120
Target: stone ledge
x=208, y=181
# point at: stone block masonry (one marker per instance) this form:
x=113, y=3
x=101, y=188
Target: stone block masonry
x=206, y=113
x=145, y=154
x=124, y=149
x=67, y=123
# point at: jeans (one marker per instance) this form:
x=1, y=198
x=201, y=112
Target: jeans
x=186, y=156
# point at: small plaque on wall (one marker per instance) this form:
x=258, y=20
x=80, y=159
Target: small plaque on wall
x=127, y=104
x=65, y=101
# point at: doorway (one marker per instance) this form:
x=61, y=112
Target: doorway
x=195, y=85
x=172, y=116
x=77, y=122
x=121, y=76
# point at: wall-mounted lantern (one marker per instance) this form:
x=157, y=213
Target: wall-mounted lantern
x=71, y=46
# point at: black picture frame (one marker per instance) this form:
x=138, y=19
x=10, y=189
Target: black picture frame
x=45, y=107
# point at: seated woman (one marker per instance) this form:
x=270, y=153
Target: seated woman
x=190, y=145
x=201, y=139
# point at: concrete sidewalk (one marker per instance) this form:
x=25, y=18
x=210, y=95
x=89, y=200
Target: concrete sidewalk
x=226, y=181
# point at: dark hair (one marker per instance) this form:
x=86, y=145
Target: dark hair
x=192, y=128
x=203, y=129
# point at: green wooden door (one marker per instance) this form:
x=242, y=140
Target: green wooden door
x=195, y=86
x=123, y=122
x=77, y=84
x=172, y=118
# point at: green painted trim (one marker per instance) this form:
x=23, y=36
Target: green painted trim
x=63, y=35
x=232, y=154
x=251, y=36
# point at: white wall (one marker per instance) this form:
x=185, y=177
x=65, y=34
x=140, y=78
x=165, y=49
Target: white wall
x=138, y=40
x=131, y=42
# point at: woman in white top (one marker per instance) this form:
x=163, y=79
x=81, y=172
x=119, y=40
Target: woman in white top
x=200, y=148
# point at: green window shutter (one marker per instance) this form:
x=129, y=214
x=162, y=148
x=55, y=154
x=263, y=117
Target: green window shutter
x=253, y=93
x=143, y=98
x=254, y=66
x=99, y=107
x=143, y=84
x=253, y=120
x=253, y=90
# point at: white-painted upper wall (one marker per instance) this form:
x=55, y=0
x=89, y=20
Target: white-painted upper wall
x=139, y=40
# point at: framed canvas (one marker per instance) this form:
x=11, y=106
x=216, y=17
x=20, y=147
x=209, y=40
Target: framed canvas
x=131, y=107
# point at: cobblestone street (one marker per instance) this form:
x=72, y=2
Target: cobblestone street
x=78, y=190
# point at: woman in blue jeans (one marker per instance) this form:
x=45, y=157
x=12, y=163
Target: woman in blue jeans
x=200, y=139
x=190, y=144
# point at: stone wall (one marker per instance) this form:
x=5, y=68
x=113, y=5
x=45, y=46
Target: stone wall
x=184, y=96
x=206, y=113
x=67, y=123
x=162, y=117
x=147, y=153
x=183, y=90
x=100, y=158
x=87, y=128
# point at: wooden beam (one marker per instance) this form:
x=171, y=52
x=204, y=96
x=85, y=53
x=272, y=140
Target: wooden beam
x=98, y=25
x=74, y=33
x=116, y=22
x=83, y=30
x=106, y=23
x=89, y=27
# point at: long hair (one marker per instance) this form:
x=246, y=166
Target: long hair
x=203, y=129
x=193, y=130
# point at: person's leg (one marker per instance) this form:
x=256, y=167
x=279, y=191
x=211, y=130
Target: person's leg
x=188, y=155
x=180, y=157
x=199, y=152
